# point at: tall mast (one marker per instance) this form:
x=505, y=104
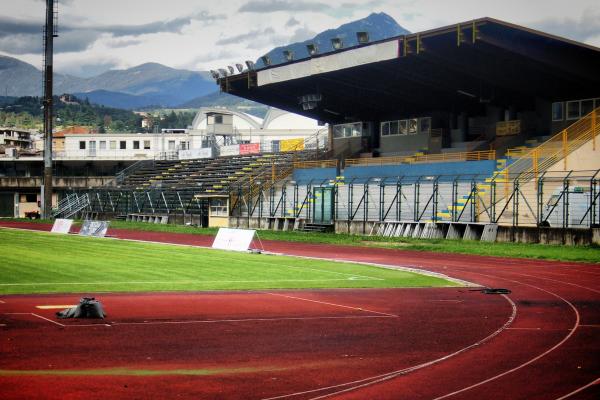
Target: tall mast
x=49, y=34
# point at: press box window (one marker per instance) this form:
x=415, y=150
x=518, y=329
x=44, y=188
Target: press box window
x=122, y=145
x=218, y=119
x=146, y=145
x=136, y=144
x=558, y=111
x=425, y=125
x=82, y=145
x=573, y=110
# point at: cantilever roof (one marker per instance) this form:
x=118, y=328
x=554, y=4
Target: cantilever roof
x=454, y=68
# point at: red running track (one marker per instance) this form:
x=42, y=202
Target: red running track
x=540, y=342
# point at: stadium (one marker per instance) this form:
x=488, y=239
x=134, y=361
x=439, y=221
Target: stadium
x=354, y=279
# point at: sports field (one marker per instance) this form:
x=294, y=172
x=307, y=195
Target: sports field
x=39, y=262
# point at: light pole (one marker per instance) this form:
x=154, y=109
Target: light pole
x=49, y=35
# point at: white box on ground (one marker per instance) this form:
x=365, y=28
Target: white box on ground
x=62, y=225
x=233, y=239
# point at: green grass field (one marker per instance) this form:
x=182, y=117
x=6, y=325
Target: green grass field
x=40, y=262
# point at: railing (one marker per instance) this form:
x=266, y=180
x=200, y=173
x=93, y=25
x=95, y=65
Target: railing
x=426, y=158
x=316, y=164
x=71, y=205
x=529, y=165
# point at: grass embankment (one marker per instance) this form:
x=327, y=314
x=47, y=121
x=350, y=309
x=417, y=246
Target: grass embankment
x=40, y=262
x=590, y=254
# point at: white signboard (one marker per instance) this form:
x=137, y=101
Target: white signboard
x=233, y=239
x=232, y=150
x=94, y=228
x=62, y=225
x=195, y=153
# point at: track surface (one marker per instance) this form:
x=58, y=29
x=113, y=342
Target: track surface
x=540, y=342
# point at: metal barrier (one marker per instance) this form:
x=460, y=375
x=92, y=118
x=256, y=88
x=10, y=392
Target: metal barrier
x=559, y=199
x=425, y=158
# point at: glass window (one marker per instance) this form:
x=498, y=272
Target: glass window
x=218, y=119
x=558, y=111
x=385, y=128
x=113, y=144
x=136, y=144
x=404, y=127
x=573, y=111
x=394, y=128
x=103, y=145
x=424, y=125
x=171, y=145
x=81, y=145
x=122, y=145
x=146, y=145
x=587, y=106
x=412, y=126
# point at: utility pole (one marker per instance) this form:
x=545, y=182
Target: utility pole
x=49, y=35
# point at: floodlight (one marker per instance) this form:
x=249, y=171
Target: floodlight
x=214, y=74
x=337, y=43
x=250, y=65
x=231, y=70
x=312, y=49
x=288, y=55
x=266, y=60
x=239, y=67
x=362, y=37
x=223, y=72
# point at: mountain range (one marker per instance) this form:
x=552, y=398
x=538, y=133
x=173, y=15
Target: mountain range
x=157, y=85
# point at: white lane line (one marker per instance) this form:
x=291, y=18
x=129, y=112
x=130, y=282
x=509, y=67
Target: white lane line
x=212, y=321
x=518, y=367
x=589, y=326
x=595, y=382
x=390, y=375
x=331, y=304
x=538, y=329
x=46, y=319
x=2, y=302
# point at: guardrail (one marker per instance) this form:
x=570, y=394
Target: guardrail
x=529, y=165
x=316, y=164
x=426, y=158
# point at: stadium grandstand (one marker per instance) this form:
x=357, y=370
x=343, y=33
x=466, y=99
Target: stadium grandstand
x=480, y=130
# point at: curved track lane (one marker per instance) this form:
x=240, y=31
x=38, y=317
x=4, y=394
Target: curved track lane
x=550, y=351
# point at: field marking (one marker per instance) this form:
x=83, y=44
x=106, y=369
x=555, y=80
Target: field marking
x=594, y=382
x=54, y=322
x=390, y=375
x=332, y=304
x=534, y=359
x=58, y=307
x=352, y=278
x=212, y=321
x=2, y=302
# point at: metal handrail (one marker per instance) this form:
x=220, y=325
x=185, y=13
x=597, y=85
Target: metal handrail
x=425, y=158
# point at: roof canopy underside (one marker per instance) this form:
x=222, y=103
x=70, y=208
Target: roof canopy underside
x=494, y=63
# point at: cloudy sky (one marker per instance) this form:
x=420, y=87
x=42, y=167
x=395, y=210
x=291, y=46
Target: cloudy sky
x=96, y=35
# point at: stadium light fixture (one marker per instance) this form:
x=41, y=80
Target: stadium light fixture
x=250, y=65
x=239, y=67
x=288, y=55
x=214, y=74
x=312, y=49
x=223, y=72
x=337, y=43
x=231, y=70
x=266, y=60
x=362, y=37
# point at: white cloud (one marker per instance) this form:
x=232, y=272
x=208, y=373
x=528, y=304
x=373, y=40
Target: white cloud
x=206, y=35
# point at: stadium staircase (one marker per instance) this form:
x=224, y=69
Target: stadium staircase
x=523, y=165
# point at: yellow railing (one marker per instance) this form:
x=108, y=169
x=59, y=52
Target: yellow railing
x=316, y=164
x=555, y=149
x=425, y=158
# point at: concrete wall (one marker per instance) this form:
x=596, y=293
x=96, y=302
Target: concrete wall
x=57, y=182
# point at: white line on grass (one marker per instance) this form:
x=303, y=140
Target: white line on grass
x=332, y=304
